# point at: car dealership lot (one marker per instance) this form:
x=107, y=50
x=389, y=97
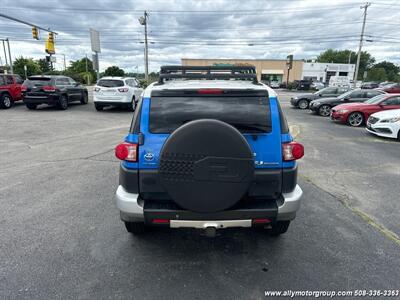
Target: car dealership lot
x=62, y=237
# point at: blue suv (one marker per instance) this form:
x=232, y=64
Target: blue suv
x=208, y=148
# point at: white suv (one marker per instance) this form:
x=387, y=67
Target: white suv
x=116, y=91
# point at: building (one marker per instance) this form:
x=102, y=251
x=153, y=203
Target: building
x=267, y=69
x=276, y=70
x=324, y=71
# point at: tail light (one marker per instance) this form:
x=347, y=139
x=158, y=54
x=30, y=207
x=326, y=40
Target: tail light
x=261, y=221
x=49, y=88
x=210, y=91
x=24, y=88
x=160, y=221
x=292, y=151
x=96, y=89
x=123, y=90
x=126, y=151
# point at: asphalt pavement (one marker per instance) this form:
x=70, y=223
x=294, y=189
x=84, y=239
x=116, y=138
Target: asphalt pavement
x=61, y=237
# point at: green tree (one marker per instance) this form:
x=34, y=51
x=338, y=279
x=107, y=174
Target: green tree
x=392, y=70
x=376, y=74
x=32, y=66
x=44, y=65
x=342, y=57
x=79, y=66
x=114, y=71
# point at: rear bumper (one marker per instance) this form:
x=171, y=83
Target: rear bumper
x=132, y=208
x=50, y=99
x=112, y=100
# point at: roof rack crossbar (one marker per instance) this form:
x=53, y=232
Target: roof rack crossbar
x=207, y=72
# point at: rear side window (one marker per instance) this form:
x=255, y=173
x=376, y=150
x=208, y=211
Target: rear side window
x=1, y=80
x=249, y=114
x=110, y=83
x=9, y=79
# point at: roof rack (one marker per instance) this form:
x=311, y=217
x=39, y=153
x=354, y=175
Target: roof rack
x=208, y=72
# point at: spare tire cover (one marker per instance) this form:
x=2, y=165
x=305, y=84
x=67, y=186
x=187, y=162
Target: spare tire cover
x=206, y=166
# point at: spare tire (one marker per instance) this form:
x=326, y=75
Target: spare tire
x=206, y=166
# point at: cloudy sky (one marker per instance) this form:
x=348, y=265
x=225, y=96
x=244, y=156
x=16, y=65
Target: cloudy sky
x=201, y=29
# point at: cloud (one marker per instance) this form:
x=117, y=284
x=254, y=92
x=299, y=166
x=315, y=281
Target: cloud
x=201, y=29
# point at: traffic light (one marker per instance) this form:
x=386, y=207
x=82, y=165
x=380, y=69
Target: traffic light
x=50, y=49
x=35, y=33
x=51, y=37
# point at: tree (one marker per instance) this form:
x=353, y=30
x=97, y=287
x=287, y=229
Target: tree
x=392, y=71
x=79, y=66
x=376, y=74
x=44, y=65
x=342, y=57
x=32, y=66
x=114, y=71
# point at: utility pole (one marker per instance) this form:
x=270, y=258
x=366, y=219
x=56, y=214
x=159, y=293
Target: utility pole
x=143, y=21
x=365, y=7
x=9, y=56
x=65, y=65
x=5, y=52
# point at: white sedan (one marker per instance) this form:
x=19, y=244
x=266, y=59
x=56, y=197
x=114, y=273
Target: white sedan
x=385, y=123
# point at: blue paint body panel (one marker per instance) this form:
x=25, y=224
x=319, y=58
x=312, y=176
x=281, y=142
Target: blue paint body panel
x=267, y=148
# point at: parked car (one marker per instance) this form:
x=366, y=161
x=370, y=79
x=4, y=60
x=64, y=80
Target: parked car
x=323, y=106
x=303, y=101
x=385, y=123
x=304, y=85
x=117, y=91
x=391, y=88
x=52, y=90
x=10, y=89
x=274, y=84
x=355, y=114
x=208, y=154
x=317, y=85
x=385, y=83
x=370, y=85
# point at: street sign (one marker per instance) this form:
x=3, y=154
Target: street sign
x=95, y=61
x=95, y=40
x=289, y=61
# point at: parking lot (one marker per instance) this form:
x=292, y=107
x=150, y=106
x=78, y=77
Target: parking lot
x=62, y=237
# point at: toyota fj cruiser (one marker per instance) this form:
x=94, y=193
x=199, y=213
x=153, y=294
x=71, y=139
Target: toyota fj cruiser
x=208, y=148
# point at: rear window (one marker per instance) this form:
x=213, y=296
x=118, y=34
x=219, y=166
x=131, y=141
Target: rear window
x=37, y=81
x=110, y=83
x=249, y=114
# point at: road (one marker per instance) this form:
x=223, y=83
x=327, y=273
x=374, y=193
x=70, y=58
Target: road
x=61, y=237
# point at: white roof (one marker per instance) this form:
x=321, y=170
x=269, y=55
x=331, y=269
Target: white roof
x=116, y=77
x=204, y=84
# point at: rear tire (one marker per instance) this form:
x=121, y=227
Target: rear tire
x=98, y=107
x=135, y=228
x=84, y=99
x=279, y=228
x=31, y=106
x=132, y=106
x=302, y=104
x=6, y=101
x=63, y=102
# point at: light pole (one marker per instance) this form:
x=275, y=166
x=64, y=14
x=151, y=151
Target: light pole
x=365, y=7
x=143, y=21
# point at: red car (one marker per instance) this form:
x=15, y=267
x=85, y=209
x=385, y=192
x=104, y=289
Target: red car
x=391, y=88
x=10, y=89
x=355, y=114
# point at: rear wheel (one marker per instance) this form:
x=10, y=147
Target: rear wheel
x=5, y=101
x=135, y=228
x=31, y=106
x=279, y=228
x=84, y=99
x=324, y=110
x=303, y=104
x=355, y=119
x=132, y=106
x=98, y=107
x=63, y=102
